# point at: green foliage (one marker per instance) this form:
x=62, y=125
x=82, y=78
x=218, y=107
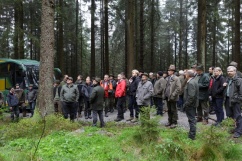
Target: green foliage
x=149, y=129
x=33, y=127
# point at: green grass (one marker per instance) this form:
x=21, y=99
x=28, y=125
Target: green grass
x=66, y=141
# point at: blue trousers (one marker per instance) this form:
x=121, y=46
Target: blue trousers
x=218, y=108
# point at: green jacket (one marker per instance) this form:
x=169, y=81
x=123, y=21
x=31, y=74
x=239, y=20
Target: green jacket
x=159, y=88
x=97, y=98
x=191, y=94
x=69, y=93
x=203, y=84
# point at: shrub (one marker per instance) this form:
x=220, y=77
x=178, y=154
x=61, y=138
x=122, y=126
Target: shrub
x=149, y=129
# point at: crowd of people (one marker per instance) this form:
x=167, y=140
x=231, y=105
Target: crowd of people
x=192, y=91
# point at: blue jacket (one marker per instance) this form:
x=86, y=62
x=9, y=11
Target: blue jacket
x=12, y=100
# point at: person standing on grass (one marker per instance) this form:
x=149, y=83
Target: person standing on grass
x=69, y=96
x=13, y=102
x=96, y=101
x=172, y=91
x=216, y=94
x=233, y=99
x=31, y=98
x=191, y=102
x=120, y=94
x=159, y=88
x=143, y=94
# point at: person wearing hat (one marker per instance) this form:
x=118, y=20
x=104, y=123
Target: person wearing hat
x=69, y=96
x=203, y=84
x=112, y=99
x=159, y=88
x=96, y=101
x=31, y=96
x=143, y=94
x=120, y=94
x=234, y=64
x=21, y=97
x=56, y=94
x=172, y=91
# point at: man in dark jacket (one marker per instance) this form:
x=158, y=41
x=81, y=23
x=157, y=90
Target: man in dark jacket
x=31, y=98
x=203, y=83
x=233, y=99
x=133, y=85
x=96, y=101
x=88, y=87
x=159, y=88
x=21, y=97
x=191, y=102
x=81, y=101
x=69, y=97
x=56, y=94
x=13, y=102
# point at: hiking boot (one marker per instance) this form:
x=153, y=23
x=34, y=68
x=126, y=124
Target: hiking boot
x=86, y=117
x=106, y=115
x=130, y=119
x=168, y=124
x=118, y=119
x=112, y=110
x=90, y=117
x=135, y=120
x=173, y=126
x=199, y=119
x=205, y=122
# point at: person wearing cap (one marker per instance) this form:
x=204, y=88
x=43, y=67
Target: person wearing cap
x=31, y=97
x=159, y=88
x=13, y=102
x=56, y=94
x=172, y=91
x=234, y=64
x=191, y=102
x=203, y=84
x=21, y=97
x=69, y=96
x=120, y=94
x=112, y=99
x=96, y=101
x=143, y=94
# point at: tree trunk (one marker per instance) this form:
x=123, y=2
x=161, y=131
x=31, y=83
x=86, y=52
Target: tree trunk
x=130, y=37
x=102, y=38
x=60, y=39
x=141, y=58
x=16, y=29
x=92, y=70
x=76, y=44
x=152, y=35
x=186, y=52
x=21, y=30
x=214, y=42
x=106, y=38
x=201, y=37
x=237, y=33
x=46, y=58
x=180, y=37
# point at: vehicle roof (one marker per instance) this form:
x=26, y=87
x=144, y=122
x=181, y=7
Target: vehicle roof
x=20, y=61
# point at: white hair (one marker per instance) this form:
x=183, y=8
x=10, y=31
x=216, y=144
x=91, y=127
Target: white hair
x=135, y=71
x=231, y=68
x=181, y=72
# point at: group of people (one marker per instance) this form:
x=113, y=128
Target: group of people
x=191, y=91
x=17, y=98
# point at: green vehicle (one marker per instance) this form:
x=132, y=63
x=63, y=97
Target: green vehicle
x=21, y=71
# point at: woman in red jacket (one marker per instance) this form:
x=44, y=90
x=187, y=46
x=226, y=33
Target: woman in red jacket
x=120, y=94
